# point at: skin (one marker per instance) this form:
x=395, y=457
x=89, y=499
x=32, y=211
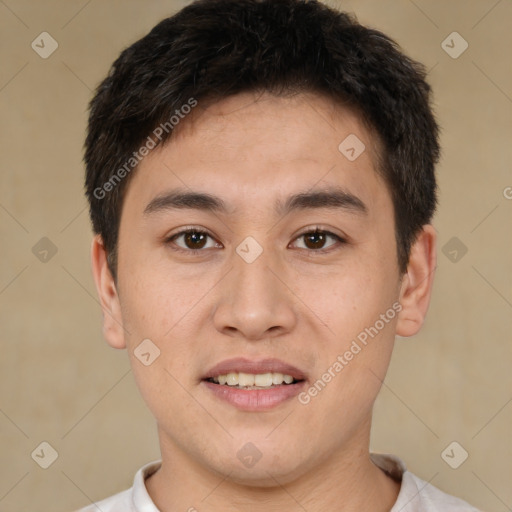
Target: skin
x=290, y=303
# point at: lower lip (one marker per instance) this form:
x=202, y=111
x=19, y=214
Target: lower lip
x=255, y=399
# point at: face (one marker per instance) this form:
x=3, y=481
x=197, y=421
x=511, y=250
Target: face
x=288, y=272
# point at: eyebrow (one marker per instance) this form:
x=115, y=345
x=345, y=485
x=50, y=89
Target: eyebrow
x=329, y=198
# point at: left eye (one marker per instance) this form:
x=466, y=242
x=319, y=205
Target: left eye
x=315, y=240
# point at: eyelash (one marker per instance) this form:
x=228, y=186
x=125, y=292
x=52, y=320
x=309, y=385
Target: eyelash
x=316, y=230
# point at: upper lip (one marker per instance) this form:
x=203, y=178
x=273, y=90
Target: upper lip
x=244, y=365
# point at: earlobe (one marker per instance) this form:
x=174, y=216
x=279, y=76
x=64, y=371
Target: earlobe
x=113, y=329
x=416, y=288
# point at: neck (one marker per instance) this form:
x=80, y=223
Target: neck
x=346, y=481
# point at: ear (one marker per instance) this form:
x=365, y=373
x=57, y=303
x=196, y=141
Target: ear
x=416, y=287
x=113, y=330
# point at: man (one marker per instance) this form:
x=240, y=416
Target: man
x=261, y=185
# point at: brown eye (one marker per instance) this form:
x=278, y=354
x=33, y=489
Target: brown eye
x=316, y=240
x=191, y=240
x=195, y=239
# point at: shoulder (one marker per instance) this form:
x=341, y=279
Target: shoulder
x=417, y=495
x=134, y=499
x=120, y=502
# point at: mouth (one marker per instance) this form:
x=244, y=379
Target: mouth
x=254, y=385
x=241, y=380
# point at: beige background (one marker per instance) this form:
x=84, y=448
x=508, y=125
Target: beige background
x=62, y=384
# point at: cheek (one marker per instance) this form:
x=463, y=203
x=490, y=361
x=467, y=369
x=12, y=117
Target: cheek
x=163, y=311
x=348, y=299
x=359, y=309
x=156, y=303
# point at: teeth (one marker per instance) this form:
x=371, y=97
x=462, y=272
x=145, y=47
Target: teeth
x=232, y=379
x=288, y=379
x=277, y=378
x=263, y=379
x=245, y=379
x=260, y=380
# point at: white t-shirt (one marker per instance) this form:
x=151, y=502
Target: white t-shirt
x=415, y=494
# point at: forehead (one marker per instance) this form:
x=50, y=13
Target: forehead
x=300, y=120
x=251, y=147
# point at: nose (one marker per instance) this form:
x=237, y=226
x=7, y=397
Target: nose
x=255, y=302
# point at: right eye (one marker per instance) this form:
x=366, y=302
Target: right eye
x=192, y=240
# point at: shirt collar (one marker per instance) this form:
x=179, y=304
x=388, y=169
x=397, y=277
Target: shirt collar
x=142, y=502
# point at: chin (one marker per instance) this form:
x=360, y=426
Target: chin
x=265, y=476
x=266, y=468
